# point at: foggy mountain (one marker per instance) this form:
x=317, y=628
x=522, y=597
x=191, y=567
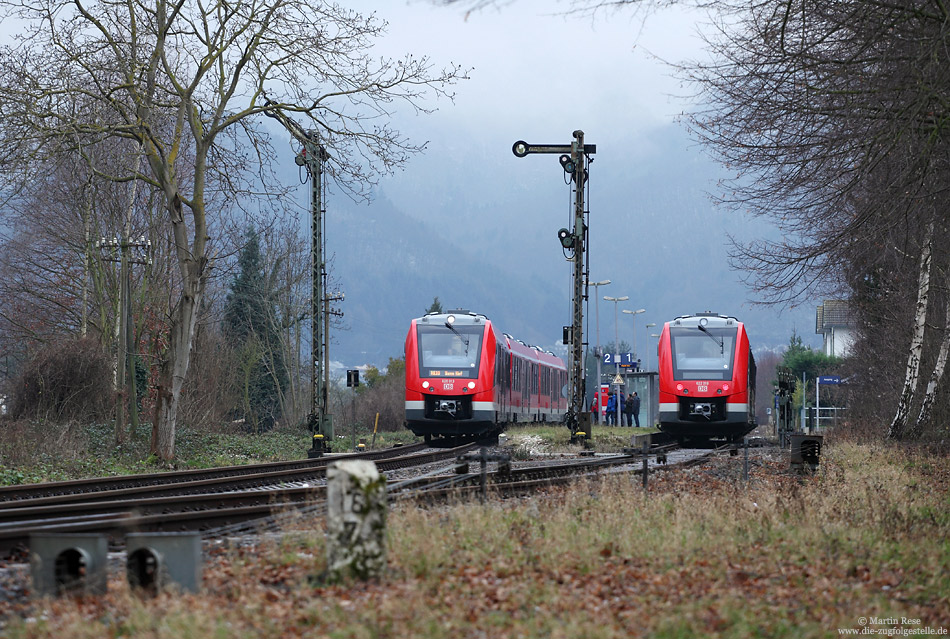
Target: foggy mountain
x=470, y=223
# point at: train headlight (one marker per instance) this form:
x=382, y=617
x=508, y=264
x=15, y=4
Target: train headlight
x=725, y=387
x=450, y=319
x=425, y=384
x=471, y=385
x=679, y=387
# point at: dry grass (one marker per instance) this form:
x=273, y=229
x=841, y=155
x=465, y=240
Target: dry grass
x=701, y=555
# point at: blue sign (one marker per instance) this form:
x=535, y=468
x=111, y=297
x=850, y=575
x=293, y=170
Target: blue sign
x=829, y=379
x=623, y=360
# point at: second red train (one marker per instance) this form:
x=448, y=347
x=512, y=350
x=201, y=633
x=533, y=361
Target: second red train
x=707, y=378
x=464, y=377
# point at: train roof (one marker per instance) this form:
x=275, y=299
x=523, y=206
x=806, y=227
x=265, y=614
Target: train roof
x=706, y=318
x=465, y=317
x=462, y=316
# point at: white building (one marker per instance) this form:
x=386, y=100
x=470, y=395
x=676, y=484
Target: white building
x=833, y=321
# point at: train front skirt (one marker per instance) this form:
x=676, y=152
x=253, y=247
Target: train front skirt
x=442, y=415
x=705, y=419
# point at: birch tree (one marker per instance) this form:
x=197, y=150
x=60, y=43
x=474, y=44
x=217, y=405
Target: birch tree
x=186, y=82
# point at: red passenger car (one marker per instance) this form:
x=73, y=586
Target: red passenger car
x=707, y=378
x=464, y=378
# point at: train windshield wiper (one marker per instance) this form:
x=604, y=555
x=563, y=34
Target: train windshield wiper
x=719, y=341
x=460, y=336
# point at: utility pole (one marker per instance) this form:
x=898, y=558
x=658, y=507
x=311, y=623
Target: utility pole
x=328, y=311
x=574, y=160
x=124, y=334
x=312, y=156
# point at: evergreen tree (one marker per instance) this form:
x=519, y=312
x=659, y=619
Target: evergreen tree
x=251, y=325
x=802, y=359
x=436, y=306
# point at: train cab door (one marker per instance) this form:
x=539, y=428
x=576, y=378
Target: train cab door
x=502, y=383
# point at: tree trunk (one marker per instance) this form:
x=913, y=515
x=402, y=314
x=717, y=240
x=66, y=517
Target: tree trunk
x=935, y=377
x=174, y=371
x=899, y=423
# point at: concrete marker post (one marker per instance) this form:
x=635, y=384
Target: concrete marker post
x=356, y=521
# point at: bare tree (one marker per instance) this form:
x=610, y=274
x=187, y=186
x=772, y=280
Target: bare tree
x=185, y=82
x=832, y=116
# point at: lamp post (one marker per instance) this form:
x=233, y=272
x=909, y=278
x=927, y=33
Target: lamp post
x=634, y=314
x=616, y=300
x=597, y=286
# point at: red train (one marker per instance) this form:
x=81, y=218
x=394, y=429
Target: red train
x=707, y=378
x=465, y=378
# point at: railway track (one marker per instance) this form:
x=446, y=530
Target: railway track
x=11, y=496
x=250, y=504
x=199, y=504
x=506, y=481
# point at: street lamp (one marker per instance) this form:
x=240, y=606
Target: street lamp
x=616, y=300
x=635, y=313
x=597, y=286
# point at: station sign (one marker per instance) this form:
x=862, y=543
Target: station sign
x=829, y=379
x=619, y=359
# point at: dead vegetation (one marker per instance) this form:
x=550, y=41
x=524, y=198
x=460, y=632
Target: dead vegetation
x=703, y=554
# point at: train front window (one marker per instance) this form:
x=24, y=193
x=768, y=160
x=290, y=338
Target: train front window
x=700, y=354
x=444, y=353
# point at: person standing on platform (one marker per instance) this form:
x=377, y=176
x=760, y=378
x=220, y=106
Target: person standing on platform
x=633, y=408
x=628, y=410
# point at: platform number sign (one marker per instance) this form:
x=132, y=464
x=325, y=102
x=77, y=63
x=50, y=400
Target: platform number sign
x=352, y=377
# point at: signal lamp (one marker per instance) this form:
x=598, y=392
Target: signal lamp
x=566, y=239
x=567, y=163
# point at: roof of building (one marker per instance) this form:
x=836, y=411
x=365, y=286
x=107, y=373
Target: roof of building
x=833, y=314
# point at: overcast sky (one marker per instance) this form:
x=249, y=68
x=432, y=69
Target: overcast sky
x=566, y=72
x=538, y=75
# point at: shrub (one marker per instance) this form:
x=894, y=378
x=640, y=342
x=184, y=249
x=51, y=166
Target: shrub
x=66, y=381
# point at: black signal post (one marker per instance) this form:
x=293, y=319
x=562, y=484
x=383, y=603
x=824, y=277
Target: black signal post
x=574, y=160
x=312, y=156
